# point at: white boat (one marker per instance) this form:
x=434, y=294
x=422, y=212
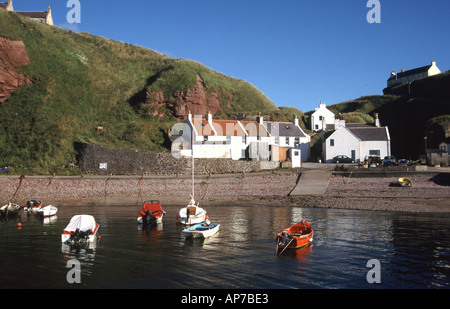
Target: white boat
x=47, y=211
x=33, y=206
x=10, y=209
x=82, y=229
x=202, y=230
x=192, y=214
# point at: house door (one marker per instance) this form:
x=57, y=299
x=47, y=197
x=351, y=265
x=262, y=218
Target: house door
x=353, y=154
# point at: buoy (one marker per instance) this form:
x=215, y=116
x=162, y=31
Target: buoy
x=19, y=224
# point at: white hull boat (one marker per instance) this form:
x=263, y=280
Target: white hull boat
x=151, y=213
x=47, y=211
x=82, y=229
x=10, y=209
x=192, y=214
x=203, y=230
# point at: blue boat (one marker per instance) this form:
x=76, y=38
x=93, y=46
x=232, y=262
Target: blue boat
x=202, y=230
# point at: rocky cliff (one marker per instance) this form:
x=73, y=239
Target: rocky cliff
x=12, y=56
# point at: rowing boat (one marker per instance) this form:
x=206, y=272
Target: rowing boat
x=203, y=230
x=295, y=237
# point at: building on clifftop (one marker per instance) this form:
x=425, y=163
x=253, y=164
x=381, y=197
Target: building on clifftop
x=412, y=75
x=43, y=17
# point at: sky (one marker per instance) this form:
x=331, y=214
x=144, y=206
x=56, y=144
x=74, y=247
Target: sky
x=297, y=52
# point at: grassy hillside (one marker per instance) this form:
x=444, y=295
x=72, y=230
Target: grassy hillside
x=82, y=81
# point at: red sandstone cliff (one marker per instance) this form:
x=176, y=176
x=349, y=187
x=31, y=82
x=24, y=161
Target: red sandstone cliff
x=12, y=55
x=196, y=99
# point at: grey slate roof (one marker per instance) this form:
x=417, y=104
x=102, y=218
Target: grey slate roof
x=283, y=129
x=42, y=15
x=411, y=72
x=368, y=133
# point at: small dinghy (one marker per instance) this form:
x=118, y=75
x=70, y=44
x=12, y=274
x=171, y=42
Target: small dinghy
x=295, y=237
x=405, y=182
x=47, y=211
x=192, y=214
x=151, y=213
x=9, y=210
x=202, y=230
x=82, y=229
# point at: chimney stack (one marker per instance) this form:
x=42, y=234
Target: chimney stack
x=377, y=121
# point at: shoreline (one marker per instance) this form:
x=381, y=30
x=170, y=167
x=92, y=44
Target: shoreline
x=429, y=194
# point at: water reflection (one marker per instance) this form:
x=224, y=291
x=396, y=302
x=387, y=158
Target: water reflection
x=413, y=250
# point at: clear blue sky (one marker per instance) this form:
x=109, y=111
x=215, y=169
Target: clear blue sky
x=297, y=52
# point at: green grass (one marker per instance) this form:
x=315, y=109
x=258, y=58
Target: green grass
x=82, y=81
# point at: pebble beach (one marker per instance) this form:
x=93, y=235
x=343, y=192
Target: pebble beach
x=428, y=194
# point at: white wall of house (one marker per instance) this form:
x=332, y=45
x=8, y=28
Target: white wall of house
x=341, y=142
x=322, y=116
x=374, y=148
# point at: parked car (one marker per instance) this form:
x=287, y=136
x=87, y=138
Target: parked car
x=374, y=161
x=389, y=160
x=343, y=159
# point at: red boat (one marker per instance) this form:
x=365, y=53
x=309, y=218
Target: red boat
x=151, y=212
x=294, y=237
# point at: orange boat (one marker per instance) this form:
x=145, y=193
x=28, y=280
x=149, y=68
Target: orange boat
x=294, y=237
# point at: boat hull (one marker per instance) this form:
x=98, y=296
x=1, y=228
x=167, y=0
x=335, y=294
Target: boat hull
x=295, y=237
x=10, y=209
x=196, y=215
x=47, y=211
x=152, y=210
x=200, y=231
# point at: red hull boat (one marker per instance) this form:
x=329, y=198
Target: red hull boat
x=294, y=237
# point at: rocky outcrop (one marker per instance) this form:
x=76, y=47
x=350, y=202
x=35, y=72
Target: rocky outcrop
x=197, y=99
x=12, y=55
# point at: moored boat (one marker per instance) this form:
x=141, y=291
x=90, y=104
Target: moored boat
x=47, y=211
x=295, y=237
x=151, y=213
x=33, y=205
x=81, y=229
x=405, y=182
x=192, y=214
x=10, y=209
x=202, y=230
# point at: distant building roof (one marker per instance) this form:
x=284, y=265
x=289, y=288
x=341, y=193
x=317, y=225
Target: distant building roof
x=36, y=15
x=3, y=5
x=410, y=72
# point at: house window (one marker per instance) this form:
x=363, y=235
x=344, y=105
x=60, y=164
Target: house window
x=316, y=127
x=287, y=140
x=320, y=118
x=374, y=152
x=277, y=140
x=332, y=142
x=297, y=141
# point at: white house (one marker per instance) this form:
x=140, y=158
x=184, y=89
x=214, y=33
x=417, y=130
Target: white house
x=357, y=141
x=412, y=75
x=321, y=117
x=236, y=140
x=290, y=135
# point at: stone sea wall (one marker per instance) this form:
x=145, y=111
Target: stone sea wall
x=100, y=160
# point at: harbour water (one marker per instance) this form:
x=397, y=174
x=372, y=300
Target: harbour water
x=412, y=251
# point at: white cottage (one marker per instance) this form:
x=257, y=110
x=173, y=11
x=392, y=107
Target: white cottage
x=357, y=141
x=321, y=117
x=236, y=140
x=412, y=75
